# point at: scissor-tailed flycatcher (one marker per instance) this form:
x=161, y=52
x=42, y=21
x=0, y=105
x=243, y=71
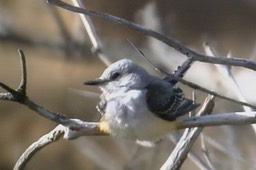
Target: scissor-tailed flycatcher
x=137, y=105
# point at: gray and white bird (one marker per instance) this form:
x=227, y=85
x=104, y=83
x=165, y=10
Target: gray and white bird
x=137, y=105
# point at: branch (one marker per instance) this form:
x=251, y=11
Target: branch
x=19, y=95
x=205, y=151
x=95, y=40
x=45, y=140
x=193, y=56
x=197, y=87
x=229, y=77
x=180, y=152
x=179, y=73
x=87, y=129
x=233, y=154
x=172, y=43
x=233, y=118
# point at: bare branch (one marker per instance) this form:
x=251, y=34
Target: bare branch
x=20, y=96
x=179, y=154
x=23, y=82
x=179, y=72
x=87, y=129
x=235, y=155
x=206, y=152
x=197, y=87
x=174, y=78
x=229, y=77
x=192, y=155
x=189, y=53
x=172, y=43
x=45, y=140
x=233, y=118
x=89, y=27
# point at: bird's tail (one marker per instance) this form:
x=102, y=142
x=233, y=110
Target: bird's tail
x=186, y=106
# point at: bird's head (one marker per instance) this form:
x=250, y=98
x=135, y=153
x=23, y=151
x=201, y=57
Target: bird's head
x=121, y=75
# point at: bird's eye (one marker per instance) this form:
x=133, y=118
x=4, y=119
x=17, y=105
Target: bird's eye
x=115, y=76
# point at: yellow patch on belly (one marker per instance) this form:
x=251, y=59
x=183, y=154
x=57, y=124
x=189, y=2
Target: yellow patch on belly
x=104, y=127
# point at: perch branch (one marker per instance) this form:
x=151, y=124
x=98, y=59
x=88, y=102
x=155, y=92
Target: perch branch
x=232, y=118
x=172, y=43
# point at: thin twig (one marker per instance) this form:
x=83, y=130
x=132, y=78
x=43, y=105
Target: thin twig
x=226, y=71
x=197, y=87
x=235, y=155
x=179, y=154
x=20, y=96
x=179, y=72
x=95, y=40
x=206, y=152
x=172, y=43
x=23, y=82
x=184, y=67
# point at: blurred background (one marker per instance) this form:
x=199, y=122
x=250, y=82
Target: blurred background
x=59, y=60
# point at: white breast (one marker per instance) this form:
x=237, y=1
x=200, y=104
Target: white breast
x=128, y=116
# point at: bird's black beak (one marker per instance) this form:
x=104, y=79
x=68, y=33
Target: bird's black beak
x=96, y=82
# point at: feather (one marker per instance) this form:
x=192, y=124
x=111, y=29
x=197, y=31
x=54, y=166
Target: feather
x=168, y=103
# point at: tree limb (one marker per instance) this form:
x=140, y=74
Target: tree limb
x=172, y=43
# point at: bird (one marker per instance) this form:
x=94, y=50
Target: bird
x=136, y=105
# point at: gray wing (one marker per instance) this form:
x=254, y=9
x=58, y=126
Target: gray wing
x=168, y=103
